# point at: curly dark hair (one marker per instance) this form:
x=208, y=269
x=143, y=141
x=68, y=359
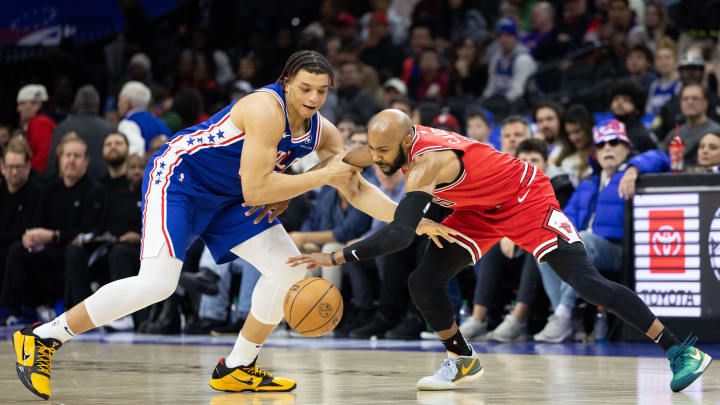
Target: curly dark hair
x=629, y=87
x=310, y=61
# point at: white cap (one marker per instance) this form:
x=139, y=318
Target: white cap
x=243, y=85
x=396, y=84
x=32, y=92
x=141, y=60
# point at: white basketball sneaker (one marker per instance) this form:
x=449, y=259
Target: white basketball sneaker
x=455, y=370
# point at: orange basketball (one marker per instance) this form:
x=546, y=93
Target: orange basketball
x=313, y=307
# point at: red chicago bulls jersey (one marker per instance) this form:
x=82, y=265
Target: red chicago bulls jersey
x=489, y=178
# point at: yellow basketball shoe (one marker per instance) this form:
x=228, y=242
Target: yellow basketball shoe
x=33, y=360
x=247, y=378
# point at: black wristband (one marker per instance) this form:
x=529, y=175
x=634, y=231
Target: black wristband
x=395, y=236
x=332, y=259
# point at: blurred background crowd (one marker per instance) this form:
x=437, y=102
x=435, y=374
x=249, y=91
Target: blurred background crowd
x=593, y=92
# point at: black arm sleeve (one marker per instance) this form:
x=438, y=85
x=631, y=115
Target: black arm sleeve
x=395, y=236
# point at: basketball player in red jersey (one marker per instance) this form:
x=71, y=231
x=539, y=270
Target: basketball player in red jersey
x=493, y=195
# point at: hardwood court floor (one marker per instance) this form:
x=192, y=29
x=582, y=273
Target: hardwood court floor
x=121, y=373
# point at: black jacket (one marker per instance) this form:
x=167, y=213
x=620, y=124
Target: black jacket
x=17, y=211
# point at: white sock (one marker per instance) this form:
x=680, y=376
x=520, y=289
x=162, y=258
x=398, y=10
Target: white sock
x=563, y=312
x=57, y=329
x=243, y=353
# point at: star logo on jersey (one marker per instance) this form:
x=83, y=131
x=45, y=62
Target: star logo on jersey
x=159, y=173
x=220, y=134
x=211, y=138
x=190, y=141
x=162, y=165
x=200, y=139
x=157, y=181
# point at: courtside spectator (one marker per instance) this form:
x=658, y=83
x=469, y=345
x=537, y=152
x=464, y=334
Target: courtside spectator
x=69, y=206
x=478, y=127
x=34, y=124
x=627, y=103
x=88, y=125
x=576, y=139
x=515, y=129
x=694, y=105
x=114, y=154
x=511, y=65
x=547, y=117
x=668, y=85
x=19, y=196
x=138, y=124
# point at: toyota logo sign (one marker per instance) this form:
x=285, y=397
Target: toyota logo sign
x=666, y=241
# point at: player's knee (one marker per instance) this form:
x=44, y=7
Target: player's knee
x=415, y=282
x=159, y=291
x=285, y=279
x=154, y=286
x=594, y=288
x=165, y=290
x=420, y=287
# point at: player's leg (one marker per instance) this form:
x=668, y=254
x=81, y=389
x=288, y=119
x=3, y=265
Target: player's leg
x=572, y=265
x=35, y=344
x=164, y=245
x=268, y=252
x=427, y=289
x=539, y=226
x=488, y=273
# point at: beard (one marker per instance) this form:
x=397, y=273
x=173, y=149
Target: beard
x=396, y=164
x=549, y=136
x=626, y=118
x=114, y=159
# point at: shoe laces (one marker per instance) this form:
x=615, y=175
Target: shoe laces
x=43, y=356
x=448, y=370
x=254, y=370
x=678, y=360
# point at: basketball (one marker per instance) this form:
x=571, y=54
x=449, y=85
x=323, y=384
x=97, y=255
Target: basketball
x=313, y=307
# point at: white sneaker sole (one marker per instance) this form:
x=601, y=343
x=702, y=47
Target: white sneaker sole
x=440, y=386
x=706, y=362
x=505, y=339
x=560, y=339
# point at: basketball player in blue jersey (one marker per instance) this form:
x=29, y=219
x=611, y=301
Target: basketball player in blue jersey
x=206, y=182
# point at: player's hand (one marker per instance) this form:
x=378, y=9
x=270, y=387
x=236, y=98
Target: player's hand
x=338, y=172
x=433, y=229
x=272, y=210
x=626, y=189
x=507, y=247
x=313, y=260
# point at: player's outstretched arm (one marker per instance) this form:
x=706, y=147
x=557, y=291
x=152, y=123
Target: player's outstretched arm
x=400, y=233
x=264, y=123
x=358, y=191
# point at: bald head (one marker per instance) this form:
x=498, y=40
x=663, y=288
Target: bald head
x=389, y=138
x=391, y=125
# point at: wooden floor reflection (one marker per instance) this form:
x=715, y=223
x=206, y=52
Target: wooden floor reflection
x=92, y=373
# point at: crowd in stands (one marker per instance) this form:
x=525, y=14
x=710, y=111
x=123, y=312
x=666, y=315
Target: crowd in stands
x=589, y=91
